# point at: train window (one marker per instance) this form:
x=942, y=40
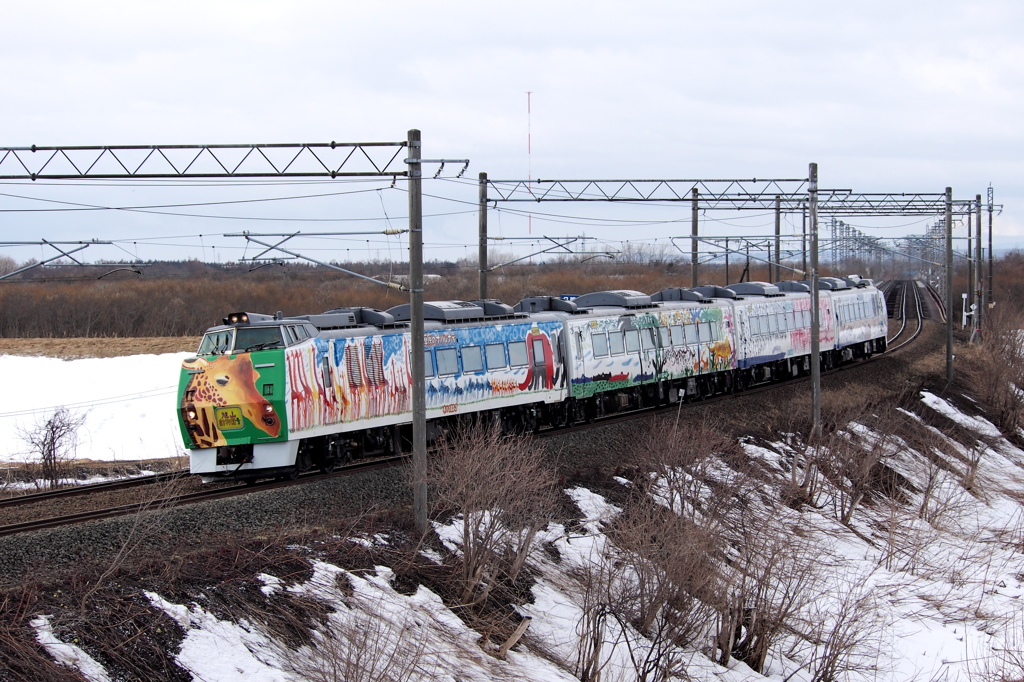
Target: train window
x=632, y=341
x=794, y=319
x=647, y=338
x=666, y=337
x=216, y=342
x=773, y=324
x=677, y=335
x=355, y=376
x=538, y=351
x=301, y=333
x=428, y=364
x=472, y=359
x=705, y=332
x=615, y=343
x=257, y=338
x=517, y=353
x=600, y=342
x=289, y=335
x=807, y=319
x=325, y=370
x=495, y=356
x=755, y=325
x=691, y=333
x=447, y=361
x=783, y=322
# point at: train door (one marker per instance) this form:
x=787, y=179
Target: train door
x=540, y=361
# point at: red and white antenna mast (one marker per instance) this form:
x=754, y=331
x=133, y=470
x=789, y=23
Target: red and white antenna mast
x=529, y=158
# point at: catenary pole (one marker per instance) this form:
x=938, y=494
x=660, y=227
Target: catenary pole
x=693, y=240
x=991, y=198
x=970, y=262
x=419, y=394
x=979, y=270
x=812, y=192
x=483, y=236
x=803, y=241
x=949, y=284
x=778, y=232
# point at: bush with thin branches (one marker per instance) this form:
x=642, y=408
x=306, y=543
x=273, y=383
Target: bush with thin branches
x=501, y=494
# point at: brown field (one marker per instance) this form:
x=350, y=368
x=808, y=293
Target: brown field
x=74, y=348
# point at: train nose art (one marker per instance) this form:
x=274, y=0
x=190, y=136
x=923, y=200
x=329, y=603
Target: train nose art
x=221, y=397
x=264, y=417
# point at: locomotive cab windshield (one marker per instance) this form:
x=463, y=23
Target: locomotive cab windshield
x=217, y=343
x=241, y=340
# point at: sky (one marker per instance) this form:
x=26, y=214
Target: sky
x=884, y=97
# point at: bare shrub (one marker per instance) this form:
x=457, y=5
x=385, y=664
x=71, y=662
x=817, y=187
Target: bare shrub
x=994, y=371
x=669, y=593
x=54, y=441
x=973, y=457
x=853, y=453
x=618, y=589
x=1007, y=662
x=20, y=657
x=145, y=523
x=366, y=647
x=847, y=633
x=770, y=577
x=502, y=494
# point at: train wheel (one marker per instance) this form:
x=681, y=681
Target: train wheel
x=530, y=424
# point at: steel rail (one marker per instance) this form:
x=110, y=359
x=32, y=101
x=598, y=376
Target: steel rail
x=189, y=498
x=89, y=489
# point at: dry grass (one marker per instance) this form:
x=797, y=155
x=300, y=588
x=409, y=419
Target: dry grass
x=75, y=348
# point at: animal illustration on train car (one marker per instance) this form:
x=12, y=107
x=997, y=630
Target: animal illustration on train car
x=274, y=396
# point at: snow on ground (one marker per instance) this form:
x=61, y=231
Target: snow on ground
x=68, y=654
x=128, y=403
x=937, y=581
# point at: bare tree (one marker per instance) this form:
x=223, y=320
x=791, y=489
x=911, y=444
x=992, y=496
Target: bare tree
x=502, y=494
x=54, y=442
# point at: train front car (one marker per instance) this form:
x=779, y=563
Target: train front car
x=232, y=398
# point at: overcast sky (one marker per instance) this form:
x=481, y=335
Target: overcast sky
x=884, y=96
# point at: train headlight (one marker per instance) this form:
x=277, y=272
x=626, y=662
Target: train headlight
x=237, y=318
x=191, y=413
x=268, y=408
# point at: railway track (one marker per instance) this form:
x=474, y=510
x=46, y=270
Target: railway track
x=91, y=489
x=158, y=503
x=907, y=298
x=904, y=299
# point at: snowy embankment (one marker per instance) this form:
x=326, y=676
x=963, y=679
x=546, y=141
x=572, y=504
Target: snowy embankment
x=930, y=584
x=128, y=404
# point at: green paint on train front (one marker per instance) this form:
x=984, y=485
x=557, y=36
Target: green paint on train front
x=236, y=399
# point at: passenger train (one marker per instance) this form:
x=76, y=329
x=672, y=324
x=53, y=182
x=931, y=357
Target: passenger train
x=274, y=396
